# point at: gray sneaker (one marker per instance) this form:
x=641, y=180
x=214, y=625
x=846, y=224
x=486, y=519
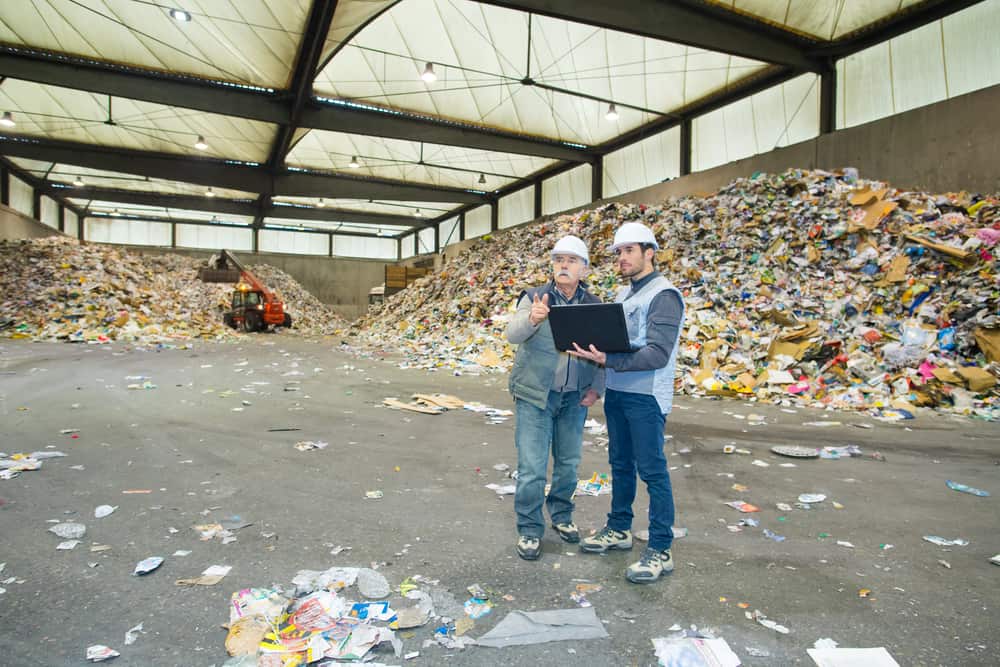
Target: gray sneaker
x=567, y=531
x=650, y=566
x=607, y=539
x=529, y=548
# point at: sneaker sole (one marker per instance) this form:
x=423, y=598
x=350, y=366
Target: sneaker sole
x=600, y=550
x=572, y=539
x=528, y=556
x=636, y=579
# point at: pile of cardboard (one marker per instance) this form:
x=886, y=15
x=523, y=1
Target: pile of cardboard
x=806, y=287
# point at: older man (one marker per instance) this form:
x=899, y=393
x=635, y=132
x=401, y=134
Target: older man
x=552, y=392
x=640, y=396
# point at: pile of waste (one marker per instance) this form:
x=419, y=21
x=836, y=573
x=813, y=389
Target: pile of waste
x=317, y=621
x=309, y=315
x=805, y=288
x=57, y=288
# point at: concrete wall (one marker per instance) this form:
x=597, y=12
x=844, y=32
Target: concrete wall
x=15, y=225
x=339, y=282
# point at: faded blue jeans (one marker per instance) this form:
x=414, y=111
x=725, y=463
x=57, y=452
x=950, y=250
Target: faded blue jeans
x=557, y=429
x=635, y=431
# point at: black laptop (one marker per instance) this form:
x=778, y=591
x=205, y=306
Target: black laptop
x=599, y=324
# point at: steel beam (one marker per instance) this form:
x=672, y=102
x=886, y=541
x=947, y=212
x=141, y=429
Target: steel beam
x=242, y=207
x=227, y=173
x=140, y=84
x=344, y=116
x=682, y=22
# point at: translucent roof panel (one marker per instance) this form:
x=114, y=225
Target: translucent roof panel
x=67, y=174
x=480, y=55
x=825, y=20
x=158, y=212
x=245, y=41
x=397, y=159
x=348, y=18
x=74, y=115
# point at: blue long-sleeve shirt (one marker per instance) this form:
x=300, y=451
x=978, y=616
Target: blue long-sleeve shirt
x=662, y=330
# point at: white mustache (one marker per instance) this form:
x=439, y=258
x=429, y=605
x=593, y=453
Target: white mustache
x=565, y=274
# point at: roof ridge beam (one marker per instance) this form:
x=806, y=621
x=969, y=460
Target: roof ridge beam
x=680, y=22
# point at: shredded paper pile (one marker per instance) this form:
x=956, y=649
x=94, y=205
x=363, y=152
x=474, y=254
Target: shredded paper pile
x=59, y=289
x=806, y=287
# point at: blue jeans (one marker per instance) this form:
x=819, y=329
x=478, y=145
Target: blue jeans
x=635, y=430
x=559, y=429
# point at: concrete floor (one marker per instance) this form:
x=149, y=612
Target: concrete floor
x=187, y=445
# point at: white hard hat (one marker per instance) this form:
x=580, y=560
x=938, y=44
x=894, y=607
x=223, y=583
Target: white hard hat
x=634, y=232
x=571, y=245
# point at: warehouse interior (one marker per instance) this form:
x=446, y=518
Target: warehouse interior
x=824, y=180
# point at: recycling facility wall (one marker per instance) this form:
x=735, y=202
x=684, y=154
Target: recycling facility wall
x=15, y=225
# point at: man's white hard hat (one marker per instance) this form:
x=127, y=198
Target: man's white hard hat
x=634, y=232
x=571, y=245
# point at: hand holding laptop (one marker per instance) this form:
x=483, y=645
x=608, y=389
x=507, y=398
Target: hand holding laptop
x=592, y=354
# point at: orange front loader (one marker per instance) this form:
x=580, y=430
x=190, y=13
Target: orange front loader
x=254, y=307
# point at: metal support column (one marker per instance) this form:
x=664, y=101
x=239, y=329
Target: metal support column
x=173, y=234
x=828, y=100
x=256, y=239
x=416, y=243
x=330, y=247
x=5, y=186
x=597, y=179
x=62, y=218
x=685, y=147
x=36, y=204
x=494, y=215
x=538, y=199
x=461, y=227
x=399, y=249
x=437, y=238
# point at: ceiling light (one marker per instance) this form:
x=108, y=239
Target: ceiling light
x=321, y=203
x=482, y=179
x=200, y=144
x=115, y=213
x=180, y=15
x=354, y=162
x=78, y=182
x=7, y=120
x=612, y=113
x=429, y=76
x=419, y=214
x=379, y=232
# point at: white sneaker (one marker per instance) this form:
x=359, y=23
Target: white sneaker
x=607, y=539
